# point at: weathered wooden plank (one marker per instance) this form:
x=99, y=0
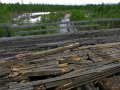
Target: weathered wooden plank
x=39, y=24
x=107, y=19
x=84, y=26
x=55, y=23
x=34, y=31
x=46, y=72
x=77, y=79
x=83, y=41
x=81, y=33
x=24, y=88
x=4, y=71
x=30, y=43
x=47, y=52
x=50, y=64
x=29, y=39
x=49, y=29
x=93, y=65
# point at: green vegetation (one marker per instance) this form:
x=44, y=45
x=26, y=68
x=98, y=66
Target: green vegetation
x=89, y=12
x=4, y=13
x=82, y=12
x=78, y=15
x=7, y=11
x=52, y=17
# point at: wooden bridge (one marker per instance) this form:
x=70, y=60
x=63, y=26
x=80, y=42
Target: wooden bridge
x=80, y=60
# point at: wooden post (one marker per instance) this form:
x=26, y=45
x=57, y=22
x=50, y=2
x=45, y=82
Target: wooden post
x=7, y=32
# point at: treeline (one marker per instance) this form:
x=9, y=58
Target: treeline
x=37, y=7
x=8, y=11
x=78, y=12
x=108, y=11
x=96, y=11
x=4, y=13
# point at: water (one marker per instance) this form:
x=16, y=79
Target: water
x=34, y=17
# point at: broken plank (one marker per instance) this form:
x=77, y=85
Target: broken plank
x=77, y=79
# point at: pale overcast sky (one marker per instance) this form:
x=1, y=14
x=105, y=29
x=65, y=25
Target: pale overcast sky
x=68, y=2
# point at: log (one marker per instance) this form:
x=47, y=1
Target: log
x=36, y=55
x=46, y=72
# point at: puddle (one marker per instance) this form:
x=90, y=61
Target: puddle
x=31, y=17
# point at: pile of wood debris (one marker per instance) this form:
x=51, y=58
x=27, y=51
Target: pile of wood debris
x=64, y=68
